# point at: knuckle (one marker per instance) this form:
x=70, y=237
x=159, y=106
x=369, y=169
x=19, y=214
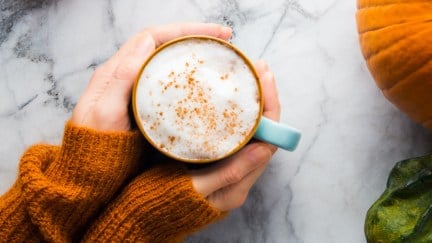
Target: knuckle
x=147, y=32
x=124, y=71
x=232, y=175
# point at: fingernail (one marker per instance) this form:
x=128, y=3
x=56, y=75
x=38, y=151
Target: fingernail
x=262, y=65
x=226, y=29
x=269, y=77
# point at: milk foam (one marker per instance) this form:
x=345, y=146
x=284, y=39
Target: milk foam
x=197, y=99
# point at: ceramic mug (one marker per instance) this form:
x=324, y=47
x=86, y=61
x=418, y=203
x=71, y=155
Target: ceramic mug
x=191, y=119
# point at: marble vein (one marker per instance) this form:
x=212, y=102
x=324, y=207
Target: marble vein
x=275, y=29
x=12, y=11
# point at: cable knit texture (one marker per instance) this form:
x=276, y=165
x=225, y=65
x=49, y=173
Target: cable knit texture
x=63, y=193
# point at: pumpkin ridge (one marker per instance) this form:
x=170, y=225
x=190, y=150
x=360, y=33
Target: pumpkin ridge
x=373, y=54
x=407, y=77
x=395, y=25
x=396, y=41
x=390, y=4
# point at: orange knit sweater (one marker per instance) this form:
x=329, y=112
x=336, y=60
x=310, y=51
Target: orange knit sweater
x=84, y=191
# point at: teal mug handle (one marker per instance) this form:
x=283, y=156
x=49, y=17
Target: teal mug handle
x=278, y=134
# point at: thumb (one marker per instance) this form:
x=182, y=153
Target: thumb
x=230, y=171
x=109, y=90
x=124, y=67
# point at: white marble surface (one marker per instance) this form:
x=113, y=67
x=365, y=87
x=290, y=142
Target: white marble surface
x=352, y=135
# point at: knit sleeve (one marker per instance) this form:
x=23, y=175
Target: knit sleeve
x=59, y=189
x=160, y=205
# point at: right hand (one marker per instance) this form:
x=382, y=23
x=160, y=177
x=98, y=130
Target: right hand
x=227, y=184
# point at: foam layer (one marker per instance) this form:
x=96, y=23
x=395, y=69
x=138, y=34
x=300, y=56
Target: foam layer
x=197, y=99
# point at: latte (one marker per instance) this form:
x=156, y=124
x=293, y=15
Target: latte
x=197, y=99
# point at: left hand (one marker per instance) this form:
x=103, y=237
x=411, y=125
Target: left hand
x=104, y=104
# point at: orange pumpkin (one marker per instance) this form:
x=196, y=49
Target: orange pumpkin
x=396, y=41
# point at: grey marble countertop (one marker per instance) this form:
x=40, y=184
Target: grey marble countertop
x=352, y=136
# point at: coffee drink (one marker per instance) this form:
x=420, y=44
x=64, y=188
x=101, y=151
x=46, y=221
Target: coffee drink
x=197, y=99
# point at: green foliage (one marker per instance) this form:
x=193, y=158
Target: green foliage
x=403, y=213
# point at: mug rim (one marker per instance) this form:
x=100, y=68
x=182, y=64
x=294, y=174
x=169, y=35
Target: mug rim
x=206, y=38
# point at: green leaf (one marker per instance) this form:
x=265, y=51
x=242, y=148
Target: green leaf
x=403, y=213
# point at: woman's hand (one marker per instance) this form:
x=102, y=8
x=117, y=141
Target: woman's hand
x=226, y=184
x=104, y=104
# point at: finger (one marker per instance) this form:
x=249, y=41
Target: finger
x=272, y=108
x=271, y=101
x=139, y=42
x=125, y=65
x=162, y=34
x=261, y=67
x=120, y=71
x=128, y=69
x=234, y=195
x=133, y=55
x=117, y=75
x=230, y=171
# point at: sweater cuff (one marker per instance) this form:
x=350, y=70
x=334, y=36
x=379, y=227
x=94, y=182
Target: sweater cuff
x=64, y=187
x=160, y=205
x=95, y=158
